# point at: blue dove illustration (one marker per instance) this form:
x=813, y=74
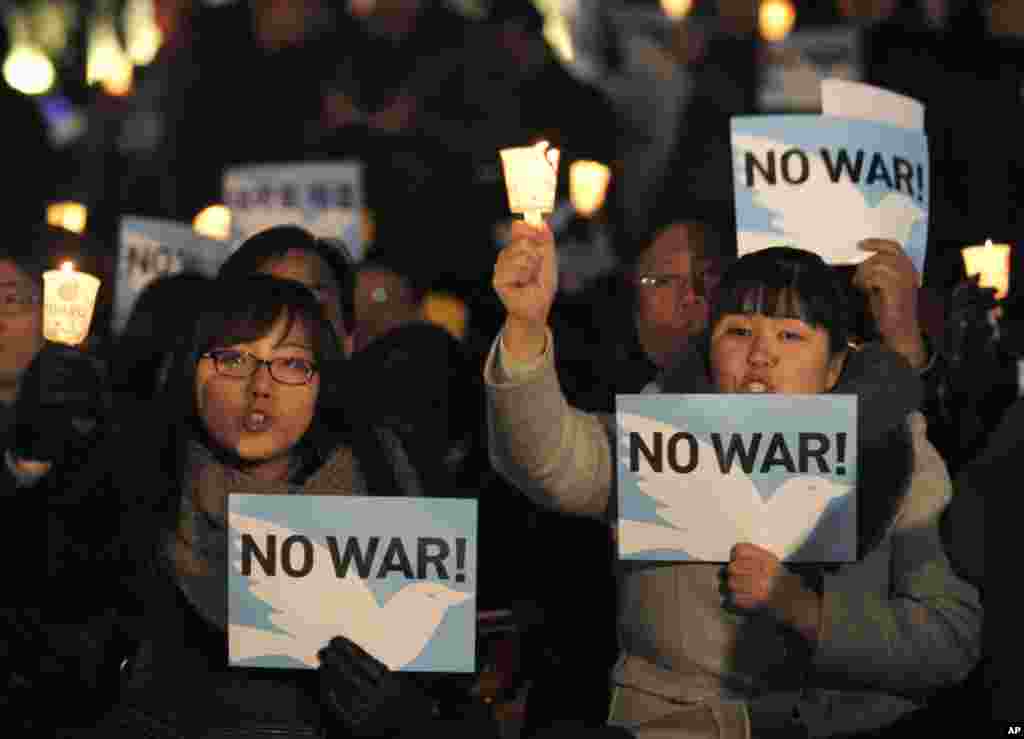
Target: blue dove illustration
x=395, y=633
x=839, y=224
x=710, y=512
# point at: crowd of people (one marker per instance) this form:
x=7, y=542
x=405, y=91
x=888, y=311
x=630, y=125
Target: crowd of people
x=297, y=370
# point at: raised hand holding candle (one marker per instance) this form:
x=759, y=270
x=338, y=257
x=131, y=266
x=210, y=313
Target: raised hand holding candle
x=531, y=176
x=69, y=298
x=992, y=263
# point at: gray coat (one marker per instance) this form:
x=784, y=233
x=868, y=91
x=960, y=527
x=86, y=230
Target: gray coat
x=895, y=626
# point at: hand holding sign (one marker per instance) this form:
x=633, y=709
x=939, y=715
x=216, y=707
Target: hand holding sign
x=757, y=580
x=891, y=283
x=366, y=697
x=526, y=280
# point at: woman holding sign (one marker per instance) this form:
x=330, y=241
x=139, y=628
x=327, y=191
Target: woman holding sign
x=755, y=647
x=256, y=378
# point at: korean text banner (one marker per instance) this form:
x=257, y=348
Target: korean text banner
x=325, y=198
x=698, y=474
x=395, y=575
x=150, y=248
x=823, y=184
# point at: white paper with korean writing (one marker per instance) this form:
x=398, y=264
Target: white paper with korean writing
x=326, y=198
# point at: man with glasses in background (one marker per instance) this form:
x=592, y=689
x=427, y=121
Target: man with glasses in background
x=673, y=278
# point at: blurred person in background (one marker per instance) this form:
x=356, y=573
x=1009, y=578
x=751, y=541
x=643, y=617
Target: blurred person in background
x=387, y=297
x=251, y=61
x=34, y=186
x=292, y=252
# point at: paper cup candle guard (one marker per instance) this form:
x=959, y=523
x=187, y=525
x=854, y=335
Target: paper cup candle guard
x=69, y=298
x=992, y=263
x=531, y=176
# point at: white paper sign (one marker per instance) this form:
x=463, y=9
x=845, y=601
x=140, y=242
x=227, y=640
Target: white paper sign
x=823, y=184
x=395, y=575
x=846, y=99
x=698, y=474
x=150, y=248
x=325, y=198
x=793, y=70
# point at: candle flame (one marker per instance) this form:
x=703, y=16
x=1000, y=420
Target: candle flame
x=67, y=267
x=988, y=243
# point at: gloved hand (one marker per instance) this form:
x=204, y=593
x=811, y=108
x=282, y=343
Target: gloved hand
x=62, y=401
x=369, y=700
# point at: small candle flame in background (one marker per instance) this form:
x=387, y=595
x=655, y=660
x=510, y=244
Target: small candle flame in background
x=992, y=263
x=676, y=8
x=68, y=215
x=67, y=267
x=776, y=19
x=588, y=185
x=214, y=222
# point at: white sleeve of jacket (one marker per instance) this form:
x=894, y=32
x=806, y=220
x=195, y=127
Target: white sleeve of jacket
x=560, y=457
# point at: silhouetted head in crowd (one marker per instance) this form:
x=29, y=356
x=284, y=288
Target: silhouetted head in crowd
x=163, y=315
x=387, y=297
x=674, y=277
x=25, y=256
x=251, y=373
x=21, y=315
x=293, y=253
x=780, y=324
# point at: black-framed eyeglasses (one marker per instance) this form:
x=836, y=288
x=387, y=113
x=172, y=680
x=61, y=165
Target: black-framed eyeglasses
x=14, y=300
x=242, y=365
x=654, y=280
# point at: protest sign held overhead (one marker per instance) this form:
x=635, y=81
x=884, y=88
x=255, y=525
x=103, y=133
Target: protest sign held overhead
x=326, y=198
x=150, y=248
x=395, y=575
x=698, y=474
x=848, y=99
x=824, y=183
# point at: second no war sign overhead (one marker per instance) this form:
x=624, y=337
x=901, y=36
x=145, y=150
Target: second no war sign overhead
x=698, y=474
x=823, y=183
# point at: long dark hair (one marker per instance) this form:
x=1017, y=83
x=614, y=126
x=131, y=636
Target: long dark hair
x=237, y=311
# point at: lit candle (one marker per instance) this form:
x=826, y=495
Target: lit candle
x=67, y=215
x=588, y=183
x=531, y=176
x=992, y=263
x=776, y=19
x=213, y=222
x=69, y=298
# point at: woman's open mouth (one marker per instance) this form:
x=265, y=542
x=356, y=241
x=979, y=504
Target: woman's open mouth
x=256, y=421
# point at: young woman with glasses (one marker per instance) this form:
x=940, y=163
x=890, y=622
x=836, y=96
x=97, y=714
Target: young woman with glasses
x=243, y=411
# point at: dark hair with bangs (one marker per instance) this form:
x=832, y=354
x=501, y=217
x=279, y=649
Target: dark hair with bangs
x=272, y=243
x=785, y=282
x=240, y=310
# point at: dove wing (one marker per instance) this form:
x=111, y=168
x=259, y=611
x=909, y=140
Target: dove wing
x=793, y=512
x=411, y=617
x=247, y=641
x=710, y=511
x=343, y=605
